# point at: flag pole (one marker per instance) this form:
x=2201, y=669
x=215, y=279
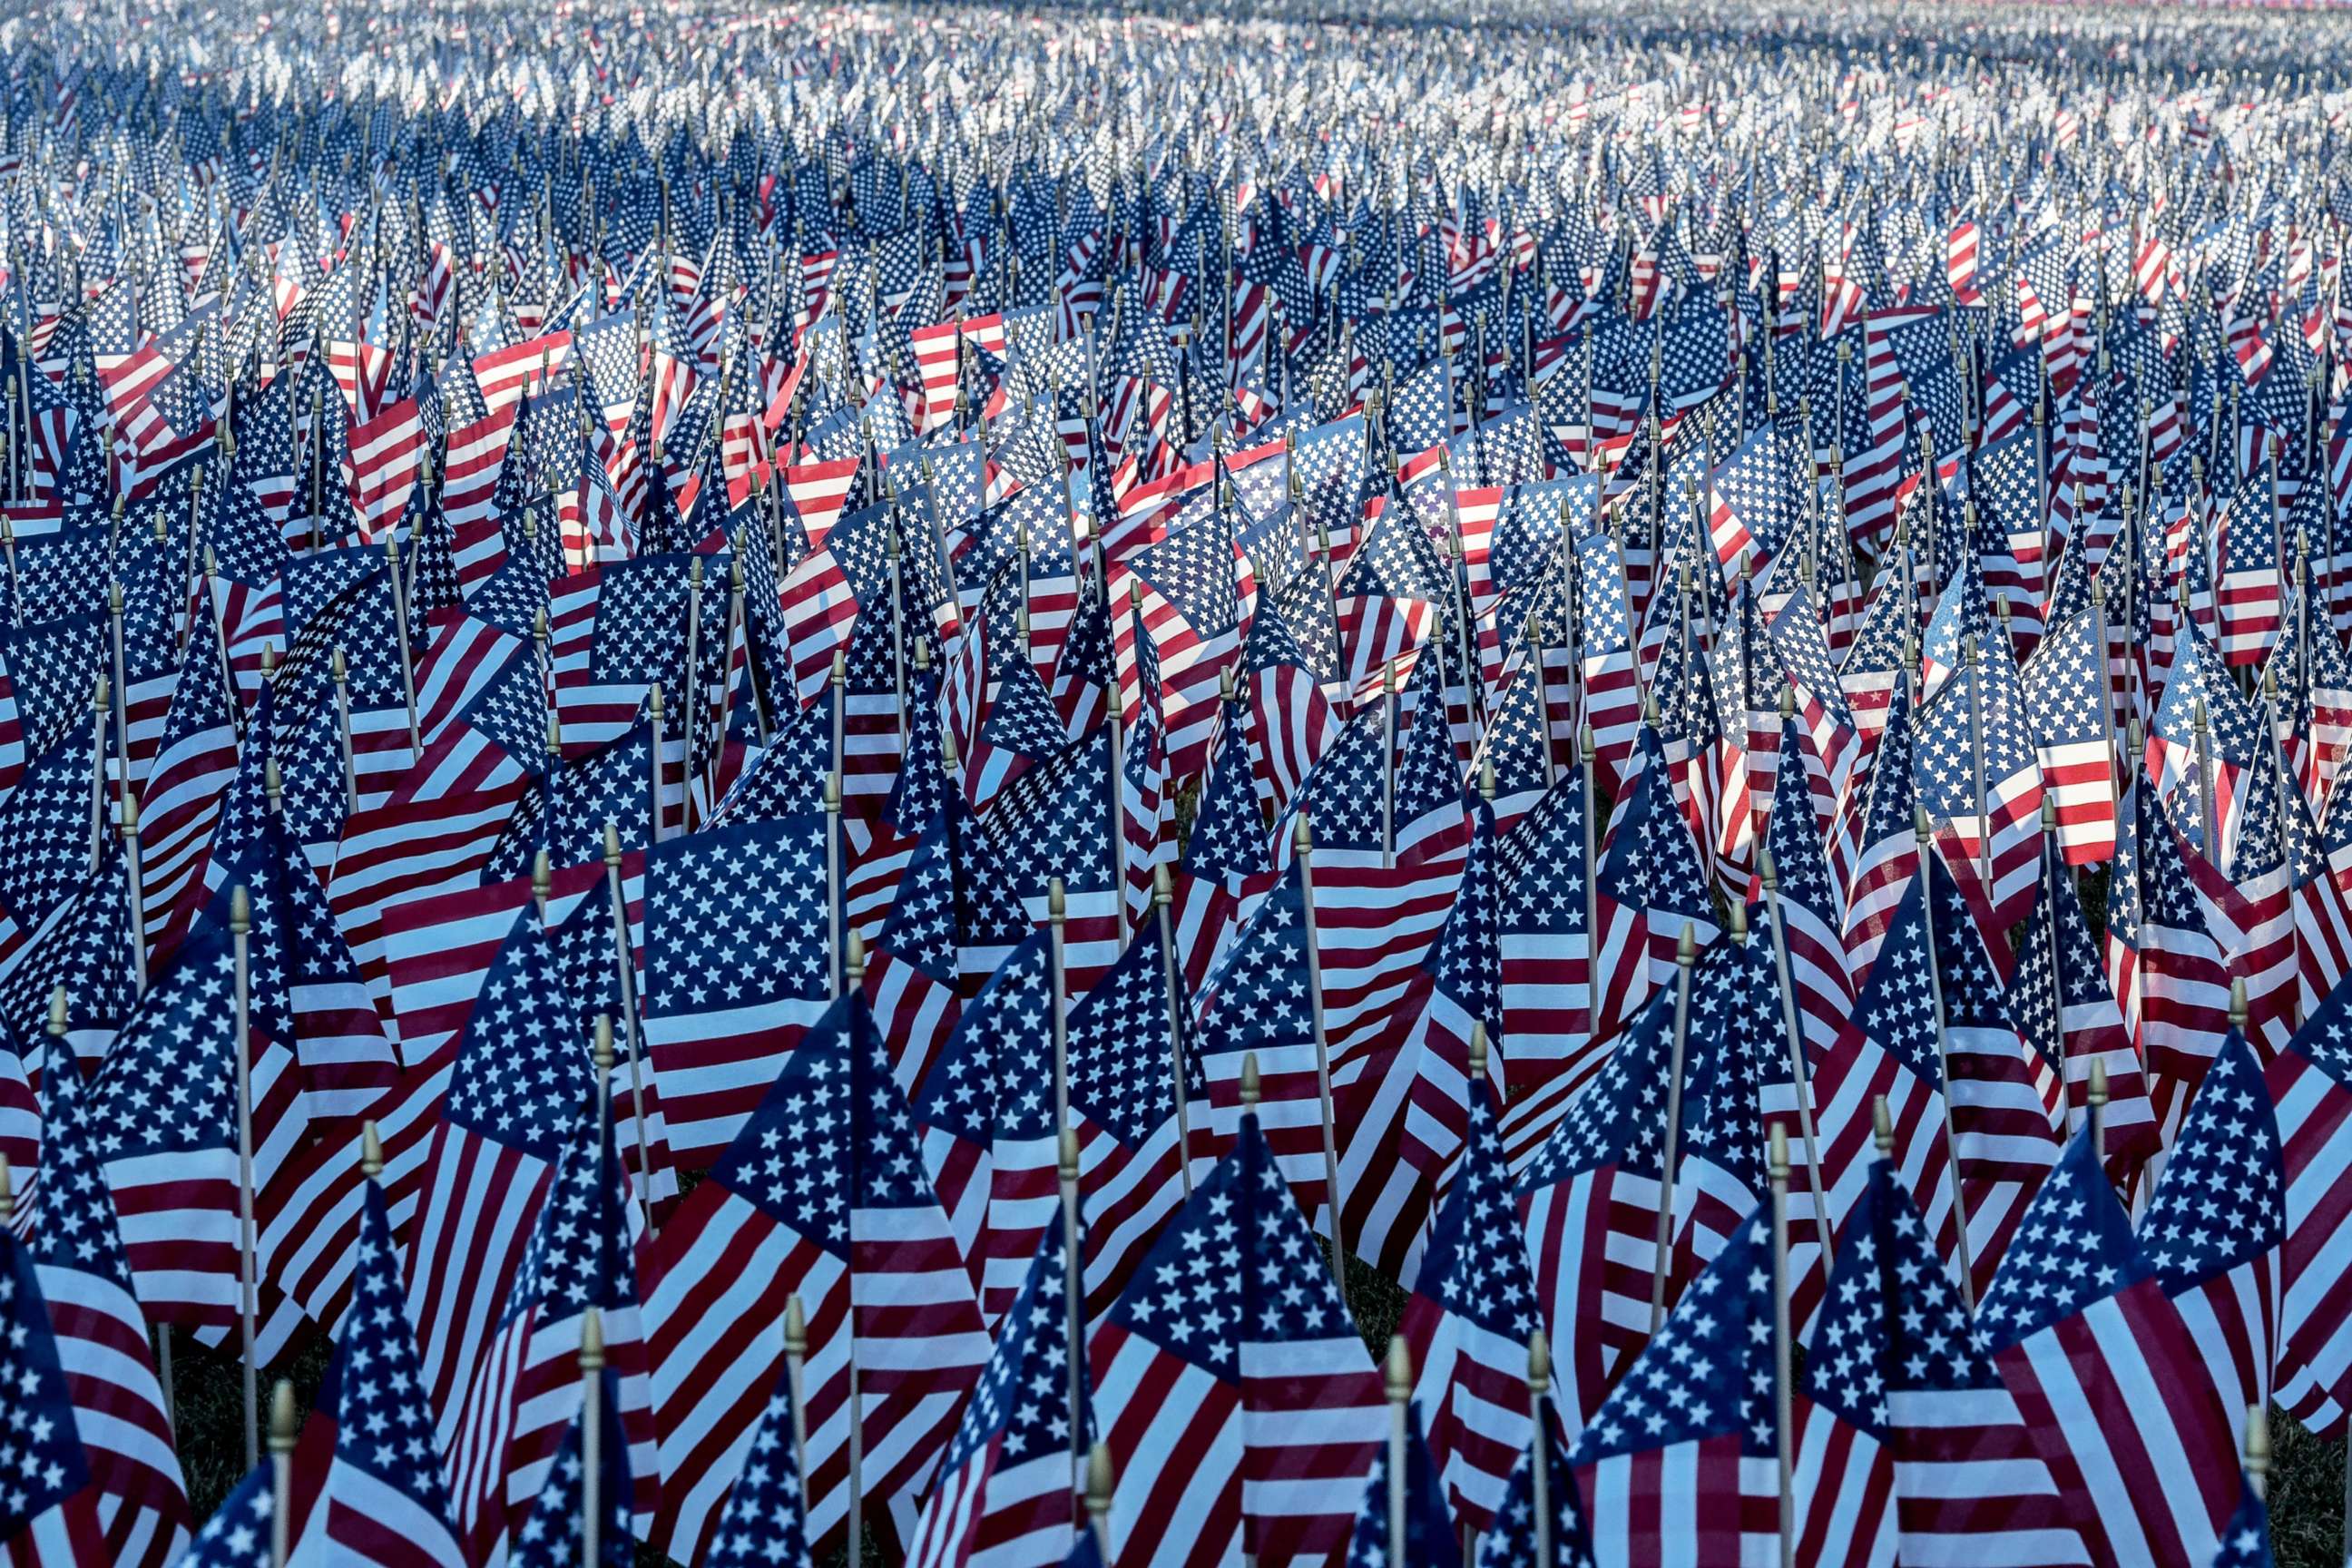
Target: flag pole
x=592, y=1434
x=1799, y=1075
x=98, y=704
x=1399, y=1392
x=795, y=1363
x=832, y=962
x=854, y=960
x=1388, y=763
x=2199, y=729
x=281, y=1472
x=1057, y=918
x=2258, y=1450
x=339, y=668
x=2098, y=1114
x=122, y=716
x=1303, y=844
x=1975, y=661
x=2054, y=864
x=1098, y=1496
x=1540, y=1457
x=1686, y=957
x=1944, y=1059
x=240, y=925
x=654, y=721
x=1783, y=1372
x=1162, y=895
x=136, y=888
x=1074, y=1322
x=400, y=630
x=626, y=968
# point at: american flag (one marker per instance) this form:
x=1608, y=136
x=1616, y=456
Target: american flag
x=765, y=1524
x=1933, y=1004
x=552, y=1533
x=1590, y=1204
x=1473, y=1305
x=2214, y=1226
x=2074, y=731
x=2163, y=966
x=1544, y=937
x=1008, y=1488
x=1231, y=1384
x=1429, y=1528
x=1683, y=1450
x=2107, y=1376
x=99, y=1335
x=823, y=1194
x=520, y=1077
x=1968, y=1476
x=386, y=1502
x=1198, y=595
x=48, y=1518
x=2310, y=1085
x=1980, y=778
x=738, y=938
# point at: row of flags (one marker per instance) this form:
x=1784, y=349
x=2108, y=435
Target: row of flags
x=815, y=768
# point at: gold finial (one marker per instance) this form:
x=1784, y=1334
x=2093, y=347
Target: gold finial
x=240, y=910
x=1057, y=901
x=1882, y=1127
x=1069, y=1154
x=1477, y=1048
x=1400, y=1370
x=371, y=1150
x=1686, y=945
x=1767, y=870
x=1098, y=1482
x=1161, y=893
x=281, y=1416
x=601, y=1052
x=612, y=842
x=1249, y=1079
x=1538, y=1363
x=854, y=959
x=1776, y=1154
x=795, y=1327
x=2238, y=1006
x=1302, y=837
x=592, y=1340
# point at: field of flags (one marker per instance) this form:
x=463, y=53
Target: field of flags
x=831, y=778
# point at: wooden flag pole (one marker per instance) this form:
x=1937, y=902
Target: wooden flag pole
x=1399, y=1392
x=1057, y=947
x=1387, y=762
x=122, y=715
x=1975, y=662
x=1539, y=1460
x=625, y=969
x=1799, y=1075
x=796, y=1364
x=1303, y=845
x=1073, y=1316
x=1685, y=958
x=592, y=1436
x=833, y=976
x=1944, y=1059
x=135, y=887
x=2199, y=729
x=654, y=719
x=2099, y=1110
x=400, y=631
x=240, y=926
x=1783, y=1370
x=98, y=704
x=281, y=1472
x=1162, y=895
x=339, y=668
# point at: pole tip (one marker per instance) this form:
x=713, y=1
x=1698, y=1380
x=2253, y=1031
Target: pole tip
x=542, y=875
x=2258, y=1441
x=8, y=1196
x=854, y=957
x=2098, y=1083
x=1098, y=1480
x=1919, y=824
x=1249, y=1079
x=1776, y=1154
x=602, y=1051
x=795, y=1326
x=1882, y=1127
x=1539, y=1363
x=1400, y=1370
x=57, y=1011
x=1161, y=892
x=1686, y=944
x=2237, y=1004
x=1302, y=837
x=240, y=910
x=282, y=1417
x=1057, y=902
x=1767, y=871
x=592, y=1340
x=612, y=842
x=1736, y=924
x=371, y=1150
x=1477, y=1048
x=1069, y=1154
